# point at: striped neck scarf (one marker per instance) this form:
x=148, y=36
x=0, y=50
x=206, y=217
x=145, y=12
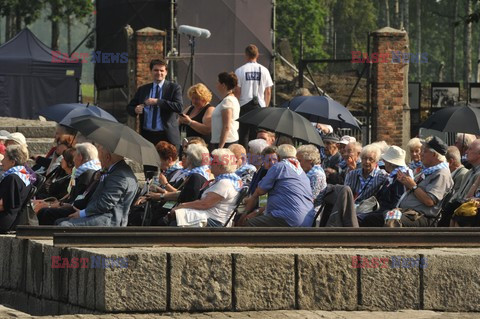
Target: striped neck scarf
x=245, y=168
x=202, y=170
x=173, y=168
x=414, y=165
x=314, y=170
x=393, y=175
x=20, y=171
x=233, y=178
x=93, y=164
x=294, y=164
x=430, y=170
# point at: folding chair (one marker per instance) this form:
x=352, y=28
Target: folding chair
x=241, y=195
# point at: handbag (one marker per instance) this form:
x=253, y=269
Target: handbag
x=368, y=205
x=467, y=209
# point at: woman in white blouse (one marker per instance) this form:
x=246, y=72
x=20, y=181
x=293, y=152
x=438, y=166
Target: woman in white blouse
x=225, y=115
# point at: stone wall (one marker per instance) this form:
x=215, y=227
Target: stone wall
x=235, y=279
x=391, y=113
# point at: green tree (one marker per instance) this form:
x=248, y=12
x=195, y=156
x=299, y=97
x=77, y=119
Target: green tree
x=307, y=17
x=353, y=20
x=65, y=10
x=18, y=13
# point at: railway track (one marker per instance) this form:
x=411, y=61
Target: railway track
x=253, y=237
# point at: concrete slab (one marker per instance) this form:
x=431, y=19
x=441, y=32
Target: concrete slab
x=200, y=282
x=326, y=282
x=264, y=281
x=389, y=286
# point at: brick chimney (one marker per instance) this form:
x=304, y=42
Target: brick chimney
x=391, y=112
x=143, y=46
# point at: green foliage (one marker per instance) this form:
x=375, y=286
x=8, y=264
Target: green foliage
x=302, y=16
x=26, y=10
x=61, y=9
x=353, y=20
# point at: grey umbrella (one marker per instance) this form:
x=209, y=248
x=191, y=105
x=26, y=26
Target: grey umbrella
x=118, y=139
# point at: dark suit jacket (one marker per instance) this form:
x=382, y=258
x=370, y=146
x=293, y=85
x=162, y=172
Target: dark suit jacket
x=170, y=104
x=114, y=194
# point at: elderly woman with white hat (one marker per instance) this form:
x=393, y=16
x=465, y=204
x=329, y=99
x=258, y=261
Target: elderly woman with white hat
x=391, y=191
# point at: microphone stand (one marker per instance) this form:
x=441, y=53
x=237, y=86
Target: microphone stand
x=191, y=42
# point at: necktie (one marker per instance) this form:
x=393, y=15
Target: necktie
x=155, y=108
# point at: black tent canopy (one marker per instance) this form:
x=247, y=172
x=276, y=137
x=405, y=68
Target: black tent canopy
x=32, y=76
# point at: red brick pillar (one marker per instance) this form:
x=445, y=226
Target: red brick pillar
x=391, y=113
x=143, y=46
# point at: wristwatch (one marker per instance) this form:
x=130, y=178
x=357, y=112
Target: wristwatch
x=414, y=188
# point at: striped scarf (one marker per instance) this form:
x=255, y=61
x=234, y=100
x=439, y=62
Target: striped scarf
x=173, y=168
x=393, y=175
x=233, y=178
x=430, y=170
x=93, y=165
x=202, y=170
x=314, y=170
x=294, y=164
x=245, y=169
x=20, y=171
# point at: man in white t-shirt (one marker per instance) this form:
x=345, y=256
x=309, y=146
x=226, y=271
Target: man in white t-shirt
x=254, y=89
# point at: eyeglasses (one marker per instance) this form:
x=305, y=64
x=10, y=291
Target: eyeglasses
x=370, y=159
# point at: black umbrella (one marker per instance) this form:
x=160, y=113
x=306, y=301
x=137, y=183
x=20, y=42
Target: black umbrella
x=321, y=109
x=283, y=121
x=460, y=119
x=118, y=139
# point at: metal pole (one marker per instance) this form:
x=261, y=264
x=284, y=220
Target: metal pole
x=192, y=59
x=274, y=49
x=171, y=49
x=300, y=63
x=369, y=105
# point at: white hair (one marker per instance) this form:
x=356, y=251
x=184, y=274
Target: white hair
x=87, y=150
x=197, y=155
x=310, y=153
x=371, y=148
x=224, y=158
x=286, y=151
x=257, y=146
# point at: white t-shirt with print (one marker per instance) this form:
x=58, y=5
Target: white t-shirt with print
x=253, y=79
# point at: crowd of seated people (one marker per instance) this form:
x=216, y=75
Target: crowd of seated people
x=272, y=181
x=286, y=186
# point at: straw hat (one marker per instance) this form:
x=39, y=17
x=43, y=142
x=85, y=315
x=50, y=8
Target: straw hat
x=394, y=155
x=347, y=139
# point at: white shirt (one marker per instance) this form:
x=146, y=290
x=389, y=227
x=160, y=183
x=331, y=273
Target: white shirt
x=229, y=102
x=253, y=79
x=221, y=211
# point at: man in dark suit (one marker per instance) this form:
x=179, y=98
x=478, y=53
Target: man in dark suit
x=110, y=203
x=157, y=104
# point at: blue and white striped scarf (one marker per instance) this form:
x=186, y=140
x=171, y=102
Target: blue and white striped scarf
x=173, y=168
x=20, y=171
x=202, y=170
x=342, y=164
x=413, y=165
x=392, y=176
x=93, y=165
x=430, y=170
x=314, y=170
x=245, y=168
x=233, y=178
x=294, y=164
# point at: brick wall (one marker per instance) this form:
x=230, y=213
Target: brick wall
x=391, y=113
x=144, y=45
